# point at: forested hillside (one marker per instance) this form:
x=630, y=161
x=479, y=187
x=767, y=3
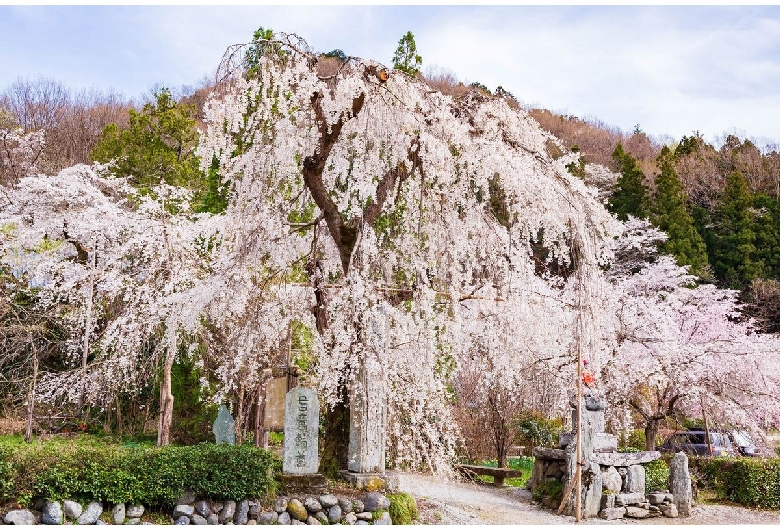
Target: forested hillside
x=431, y=247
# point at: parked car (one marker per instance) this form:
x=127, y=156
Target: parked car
x=744, y=443
x=694, y=442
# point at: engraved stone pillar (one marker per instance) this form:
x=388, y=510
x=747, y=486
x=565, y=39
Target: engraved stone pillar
x=368, y=404
x=301, y=425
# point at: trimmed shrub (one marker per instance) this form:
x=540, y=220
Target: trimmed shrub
x=151, y=476
x=403, y=508
x=753, y=482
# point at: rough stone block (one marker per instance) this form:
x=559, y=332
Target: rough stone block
x=612, y=513
x=91, y=513
x=612, y=480
x=137, y=510
x=656, y=498
x=624, y=499
x=19, y=517
x=118, y=513
x=671, y=511
x=607, y=501
x=71, y=509
x=636, y=512
x=183, y=509
x=297, y=510
x=328, y=500
x=51, y=513
x=242, y=512
x=635, y=480
x=680, y=484
x=228, y=512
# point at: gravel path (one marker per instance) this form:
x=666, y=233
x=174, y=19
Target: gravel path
x=443, y=501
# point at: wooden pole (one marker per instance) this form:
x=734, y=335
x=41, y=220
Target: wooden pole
x=578, y=469
x=707, y=438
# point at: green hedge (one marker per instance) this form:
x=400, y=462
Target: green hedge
x=148, y=475
x=751, y=482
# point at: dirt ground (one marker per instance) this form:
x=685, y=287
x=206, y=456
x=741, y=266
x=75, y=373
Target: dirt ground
x=442, y=501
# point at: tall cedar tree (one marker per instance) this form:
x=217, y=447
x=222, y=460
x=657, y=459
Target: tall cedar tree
x=731, y=247
x=630, y=197
x=670, y=214
x=767, y=229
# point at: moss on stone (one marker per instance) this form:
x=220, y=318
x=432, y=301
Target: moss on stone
x=403, y=508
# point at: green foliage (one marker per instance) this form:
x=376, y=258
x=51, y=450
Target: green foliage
x=302, y=346
x=406, y=58
x=159, y=145
x=688, y=145
x=403, y=508
x=634, y=441
x=83, y=469
x=767, y=231
x=731, y=236
x=552, y=489
x=577, y=168
x=630, y=196
x=670, y=213
x=262, y=45
x=753, y=482
x=6, y=473
x=497, y=204
x=656, y=476
x=215, y=196
x=338, y=54
x=523, y=463
x=535, y=430
x=193, y=414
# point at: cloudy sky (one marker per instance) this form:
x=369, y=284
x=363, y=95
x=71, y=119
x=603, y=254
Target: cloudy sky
x=670, y=70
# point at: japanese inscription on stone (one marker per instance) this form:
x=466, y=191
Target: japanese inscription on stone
x=301, y=422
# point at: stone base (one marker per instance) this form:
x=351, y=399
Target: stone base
x=371, y=481
x=315, y=483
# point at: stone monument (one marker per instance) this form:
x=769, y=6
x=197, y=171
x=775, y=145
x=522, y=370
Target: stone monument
x=224, y=427
x=301, y=443
x=613, y=483
x=368, y=416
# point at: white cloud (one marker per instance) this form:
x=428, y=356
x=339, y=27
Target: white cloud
x=672, y=70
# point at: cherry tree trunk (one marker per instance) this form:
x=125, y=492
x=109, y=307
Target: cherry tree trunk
x=166, y=403
x=651, y=432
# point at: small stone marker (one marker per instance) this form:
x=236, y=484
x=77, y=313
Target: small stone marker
x=224, y=427
x=275, y=396
x=301, y=423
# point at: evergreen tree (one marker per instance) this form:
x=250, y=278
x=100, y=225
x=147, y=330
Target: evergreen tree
x=732, y=247
x=670, y=214
x=630, y=196
x=767, y=229
x=406, y=58
x=159, y=146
